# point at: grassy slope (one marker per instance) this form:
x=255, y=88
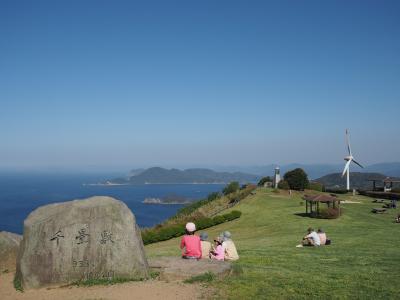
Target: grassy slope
x=363, y=261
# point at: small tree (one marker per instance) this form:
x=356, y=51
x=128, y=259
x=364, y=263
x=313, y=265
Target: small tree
x=231, y=188
x=264, y=180
x=297, y=179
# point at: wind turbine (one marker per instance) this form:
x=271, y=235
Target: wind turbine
x=348, y=160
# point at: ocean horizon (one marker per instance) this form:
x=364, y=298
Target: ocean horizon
x=21, y=193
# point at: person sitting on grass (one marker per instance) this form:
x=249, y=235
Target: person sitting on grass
x=217, y=253
x=205, y=245
x=311, y=239
x=229, y=247
x=191, y=243
x=397, y=219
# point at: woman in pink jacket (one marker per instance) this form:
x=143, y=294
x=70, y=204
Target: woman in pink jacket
x=190, y=243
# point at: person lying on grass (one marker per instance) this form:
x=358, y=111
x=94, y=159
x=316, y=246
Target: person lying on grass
x=217, y=253
x=322, y=237
x=205, y=245
x=311, y=239
x=191, y=243
x=229, y=246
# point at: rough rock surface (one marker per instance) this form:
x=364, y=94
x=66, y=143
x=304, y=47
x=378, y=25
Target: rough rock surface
x=94, y=238
x=9, y=244
x=176, y=268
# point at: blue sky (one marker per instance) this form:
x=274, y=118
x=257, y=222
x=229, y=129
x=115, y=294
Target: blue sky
x=113, y=84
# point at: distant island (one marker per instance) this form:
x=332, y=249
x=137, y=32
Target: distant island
x=157, y=175
x=169, y=200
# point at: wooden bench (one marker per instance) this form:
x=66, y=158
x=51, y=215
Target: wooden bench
x=378, y=210
x=379, y=201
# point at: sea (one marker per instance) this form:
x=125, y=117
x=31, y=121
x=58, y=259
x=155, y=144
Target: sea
x=21, y=193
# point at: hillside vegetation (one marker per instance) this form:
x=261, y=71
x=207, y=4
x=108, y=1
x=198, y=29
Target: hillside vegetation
x=205, y=213
x=362, y=262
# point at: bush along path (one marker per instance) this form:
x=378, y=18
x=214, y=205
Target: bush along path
x=167, y=232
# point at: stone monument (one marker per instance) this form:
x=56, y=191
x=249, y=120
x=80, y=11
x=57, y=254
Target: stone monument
x=94, y=238
x=9, y=244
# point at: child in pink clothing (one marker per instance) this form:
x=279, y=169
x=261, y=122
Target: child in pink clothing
x=218, y=252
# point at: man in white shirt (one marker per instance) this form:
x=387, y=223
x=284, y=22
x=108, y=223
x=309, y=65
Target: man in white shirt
x=312, y=238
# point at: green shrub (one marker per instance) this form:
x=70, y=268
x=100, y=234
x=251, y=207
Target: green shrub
x=283, y=185
x=219, y=219
x=233, y=215
x=231, y=188
x=204, y=223
x=330, y=213
x=149, y=236
x=236, y=213
x=154, y=274
x=167, y=232
x=18, y=284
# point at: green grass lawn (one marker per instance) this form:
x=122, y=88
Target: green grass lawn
x=363, y=261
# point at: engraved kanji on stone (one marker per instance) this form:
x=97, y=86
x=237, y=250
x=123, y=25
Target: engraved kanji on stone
x=105, y=237
x=57, y=236
x=80, y=263
x=82, y=236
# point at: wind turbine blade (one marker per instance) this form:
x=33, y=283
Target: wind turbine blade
x=346, y=167
x=357, y=163
x=348, y=142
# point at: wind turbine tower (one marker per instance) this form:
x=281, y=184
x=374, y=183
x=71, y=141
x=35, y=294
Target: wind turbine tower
x=348, y=160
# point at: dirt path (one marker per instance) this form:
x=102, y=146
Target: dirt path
x=133, y=290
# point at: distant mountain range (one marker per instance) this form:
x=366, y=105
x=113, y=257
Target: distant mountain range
x=316, y=170
x=358, y=180
x=319, y=172
x=157, y=175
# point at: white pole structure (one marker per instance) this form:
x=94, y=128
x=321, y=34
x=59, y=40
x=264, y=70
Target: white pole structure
x=348, y=160
x=277, y=177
